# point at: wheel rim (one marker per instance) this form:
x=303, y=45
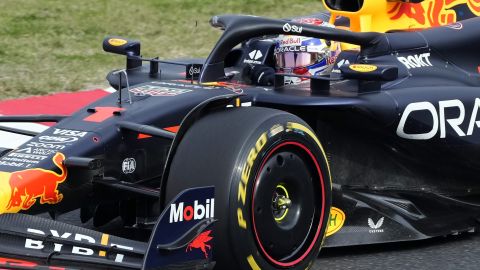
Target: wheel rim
x=287, y=224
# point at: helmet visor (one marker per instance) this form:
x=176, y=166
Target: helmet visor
x=296, y=59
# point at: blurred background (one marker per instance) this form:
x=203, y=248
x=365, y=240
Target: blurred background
x=55, y=45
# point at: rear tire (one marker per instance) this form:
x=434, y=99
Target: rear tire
x=272, y=186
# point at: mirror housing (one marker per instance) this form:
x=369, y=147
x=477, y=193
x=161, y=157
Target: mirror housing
x=123, y=46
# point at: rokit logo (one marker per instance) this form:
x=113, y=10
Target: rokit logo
x=439, y=120
x=180, y=212
x=78, y=250
x=416, y=61
x=254, y=56
x=287, y=28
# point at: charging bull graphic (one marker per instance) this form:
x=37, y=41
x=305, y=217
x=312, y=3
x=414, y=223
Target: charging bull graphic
x=432, y=13
x=28, y=185
x=388, y=15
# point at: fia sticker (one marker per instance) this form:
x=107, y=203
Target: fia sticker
x=129, y=165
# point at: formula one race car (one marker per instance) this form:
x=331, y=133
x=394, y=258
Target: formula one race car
x=206, y=170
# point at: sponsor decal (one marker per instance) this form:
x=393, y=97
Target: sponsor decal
x=314, y=21
x=129, y=165
x=343, y=62
x=340, y=63
x=287, y=28
x=46, y=145
x=455, y=26
x=247, y=169
x=439, y=121
x=416, y=61
x=363, y=68
x=290, y=49
x=27, y=156
x=432, y=13
x=191, y=86
x=181, y=213
x=57, y=139
x=200, y=242
x=68, y=132
x=291, y=40
x=117, y=42
x=193, y=71
x=20, y=190
x=254, y=56
x=336, y=221
x=12, y=163
x=77, y=237
x=158, y=91
x=375, y=227
x=36, y=151
x=234, y=87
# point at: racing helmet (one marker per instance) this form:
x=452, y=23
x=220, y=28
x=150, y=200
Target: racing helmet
x=304, y=55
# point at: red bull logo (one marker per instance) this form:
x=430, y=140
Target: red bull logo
x=28, y=186
x=387, y=15
x=432, y=13
x=201, y=243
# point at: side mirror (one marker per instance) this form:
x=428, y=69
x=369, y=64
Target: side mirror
x=123, y=46
x=370, y=77
x=119, y=45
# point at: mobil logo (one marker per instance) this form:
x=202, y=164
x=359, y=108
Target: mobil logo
x=180, y=212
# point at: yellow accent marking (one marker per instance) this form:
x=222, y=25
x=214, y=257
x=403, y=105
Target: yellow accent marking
x=104, y=242
x=253, y=264
x=363, y=68
x=241, y=221
x=303, y=128
x=288, y=197
x=5, y=191
x=117, y=42
x=237, y=102
x=335, y=221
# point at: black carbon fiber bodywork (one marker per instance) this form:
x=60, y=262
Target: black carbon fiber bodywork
x=403, y=147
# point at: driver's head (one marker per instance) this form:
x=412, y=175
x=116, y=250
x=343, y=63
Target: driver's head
x=304, y=55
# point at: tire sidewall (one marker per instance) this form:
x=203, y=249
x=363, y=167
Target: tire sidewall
x=271, y=133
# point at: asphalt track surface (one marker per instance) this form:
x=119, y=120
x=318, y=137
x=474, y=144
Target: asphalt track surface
x=453, y=252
